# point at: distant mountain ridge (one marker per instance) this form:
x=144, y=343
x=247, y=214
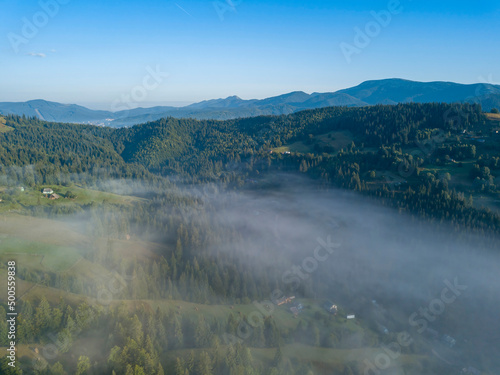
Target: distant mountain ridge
x=386, y=91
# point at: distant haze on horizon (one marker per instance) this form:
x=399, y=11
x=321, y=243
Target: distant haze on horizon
x=105, y=106
x=144, y=54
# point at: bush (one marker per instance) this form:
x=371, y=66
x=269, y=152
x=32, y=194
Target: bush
x=495, y=110
x=70, y=194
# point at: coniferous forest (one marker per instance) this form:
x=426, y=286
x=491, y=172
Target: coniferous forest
x=291, y=244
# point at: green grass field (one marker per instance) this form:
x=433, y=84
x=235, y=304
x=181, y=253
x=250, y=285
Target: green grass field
x=337, y=140
x=38, y=254
x=4, y=128
x=57, y=247
x=47, y=231
x=15, y=200
x=493, y=116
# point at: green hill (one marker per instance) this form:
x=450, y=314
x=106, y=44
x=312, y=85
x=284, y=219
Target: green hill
x=164, y=242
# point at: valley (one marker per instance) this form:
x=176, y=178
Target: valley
x=172, y=246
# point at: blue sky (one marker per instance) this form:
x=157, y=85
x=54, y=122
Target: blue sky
x=98, y=53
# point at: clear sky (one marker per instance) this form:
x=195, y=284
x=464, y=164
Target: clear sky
x=97, y=52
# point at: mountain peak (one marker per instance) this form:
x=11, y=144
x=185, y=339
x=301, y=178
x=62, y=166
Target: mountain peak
x=384, y=91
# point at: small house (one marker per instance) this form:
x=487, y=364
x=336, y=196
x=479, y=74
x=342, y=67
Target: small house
x=54, y=196
x=47, y=191
x=284, y=300
x=296, y=308
x=331, y=308
x=351, y=317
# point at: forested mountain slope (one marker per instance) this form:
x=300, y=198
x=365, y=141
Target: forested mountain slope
x=163, y=234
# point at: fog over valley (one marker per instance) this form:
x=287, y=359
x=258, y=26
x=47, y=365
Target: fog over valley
x=275, y=188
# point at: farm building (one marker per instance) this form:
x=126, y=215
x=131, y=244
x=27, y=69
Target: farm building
x=54, y=196
x=330, y=307
x=296, y=309
x=47, y=191
x=284, y=300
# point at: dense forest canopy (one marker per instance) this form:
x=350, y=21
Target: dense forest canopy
x=174, y=207
x=408, y=144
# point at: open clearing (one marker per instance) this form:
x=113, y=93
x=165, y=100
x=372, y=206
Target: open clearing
x=334, y=141
x=493, y=116
x=4, y=128
x=17, y=200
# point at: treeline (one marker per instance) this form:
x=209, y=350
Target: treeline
x=140, y=341
x=202, y=149
x=150, y=160
x=401, y=139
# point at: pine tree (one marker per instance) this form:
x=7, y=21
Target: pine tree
x=65, y=340
x=114, y=359
x=129, y=370
x=3, y=327
x=56, y=318
x=149, y=347
x=8, y=370
x=201, y=332
x=177, y=335
x=204, y=364
x=179, y=368
x=83, y=365
x=190, y=363
x=135, y=329
x=57, y=369
x=43, y=315
x=278, y=358
x=138, y=370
